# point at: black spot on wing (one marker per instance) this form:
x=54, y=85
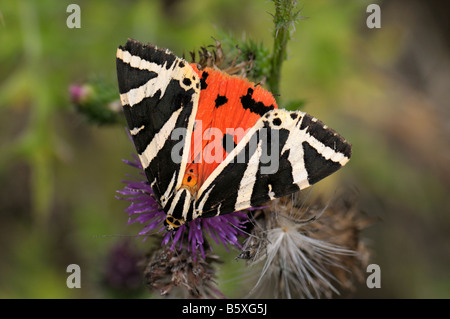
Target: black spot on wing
x=249, y=103
x=220, y=100
x=187, y=81
x=203, y=84
x=276, y=121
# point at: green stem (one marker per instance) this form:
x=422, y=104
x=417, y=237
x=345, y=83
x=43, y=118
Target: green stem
x=36, y=141
x=283, y=19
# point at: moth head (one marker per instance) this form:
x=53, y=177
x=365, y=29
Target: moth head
x=172, y=223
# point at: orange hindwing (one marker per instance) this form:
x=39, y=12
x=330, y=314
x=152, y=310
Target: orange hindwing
x=228, y=107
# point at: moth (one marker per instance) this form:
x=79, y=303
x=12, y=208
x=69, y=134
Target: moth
x=211, y=143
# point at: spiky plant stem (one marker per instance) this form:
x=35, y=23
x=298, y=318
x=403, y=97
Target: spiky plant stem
x=284, y=19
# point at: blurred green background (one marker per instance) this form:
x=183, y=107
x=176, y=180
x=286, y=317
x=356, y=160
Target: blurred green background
x=386, y=90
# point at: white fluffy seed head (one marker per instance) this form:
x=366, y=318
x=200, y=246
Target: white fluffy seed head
x=297, y=262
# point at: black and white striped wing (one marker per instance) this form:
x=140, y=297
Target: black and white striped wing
x=159, y=93
x=283, y=153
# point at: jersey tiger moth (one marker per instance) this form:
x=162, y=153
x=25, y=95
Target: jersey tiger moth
x=211, y=143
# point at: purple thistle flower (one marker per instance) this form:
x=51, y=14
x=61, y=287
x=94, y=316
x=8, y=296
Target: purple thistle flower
x=79, y=93
x=144, y=208
x=122, y=271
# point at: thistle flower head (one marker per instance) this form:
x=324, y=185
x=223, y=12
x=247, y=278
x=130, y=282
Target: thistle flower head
x=97, y=101
x=144, y=209
x=122, y=271
x=305, y=252
x=182, y=273
x=79, y=93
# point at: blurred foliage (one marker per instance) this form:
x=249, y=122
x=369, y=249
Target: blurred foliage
x=384, y=89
